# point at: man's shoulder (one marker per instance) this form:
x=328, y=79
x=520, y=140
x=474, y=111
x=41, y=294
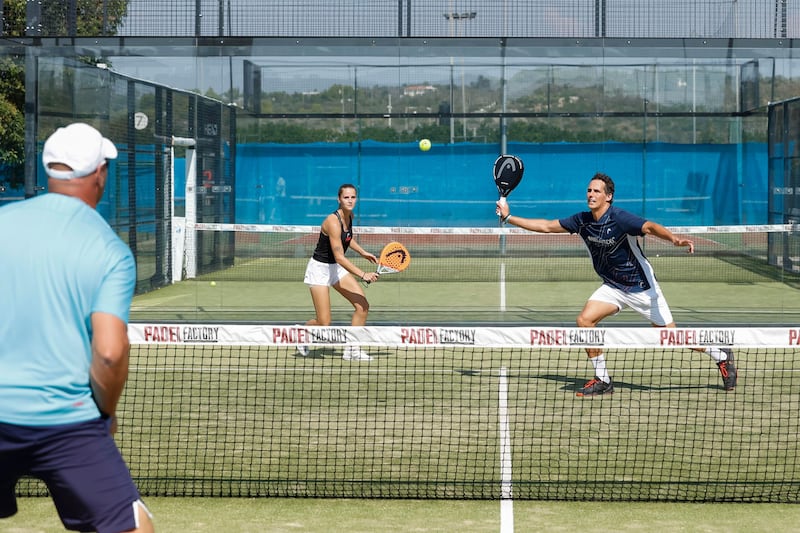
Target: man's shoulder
x=50, y=203
x=39, y=213
x=35, y=202
x=628, y=222
x=620, y=213
x=581, y=217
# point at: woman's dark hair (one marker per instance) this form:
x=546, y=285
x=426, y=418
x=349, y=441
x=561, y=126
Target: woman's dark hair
x=347, y=186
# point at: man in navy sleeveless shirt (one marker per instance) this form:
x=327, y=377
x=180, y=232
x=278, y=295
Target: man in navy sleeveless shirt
x=611, y=236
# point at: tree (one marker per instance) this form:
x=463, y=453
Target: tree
x=12, y=120
x=92, y=18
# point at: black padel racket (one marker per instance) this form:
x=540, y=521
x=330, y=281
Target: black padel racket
x=508, y=171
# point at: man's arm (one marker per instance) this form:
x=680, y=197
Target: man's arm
x=538, y=225
x=109, y=368
x=657, y=230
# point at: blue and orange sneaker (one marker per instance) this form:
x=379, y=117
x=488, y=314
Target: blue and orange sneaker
x=727, y=370
x=596, y=387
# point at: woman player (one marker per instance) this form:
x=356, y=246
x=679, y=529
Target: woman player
x=329, y=267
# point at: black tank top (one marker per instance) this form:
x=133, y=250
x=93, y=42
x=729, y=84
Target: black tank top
x=323, y=252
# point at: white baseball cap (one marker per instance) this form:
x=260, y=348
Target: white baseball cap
x=80, y=147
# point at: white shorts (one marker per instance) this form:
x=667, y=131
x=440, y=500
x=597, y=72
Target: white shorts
x=651, y=303
x=318, y=273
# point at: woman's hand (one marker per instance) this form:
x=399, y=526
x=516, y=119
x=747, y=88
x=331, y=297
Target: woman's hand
x=369, y=277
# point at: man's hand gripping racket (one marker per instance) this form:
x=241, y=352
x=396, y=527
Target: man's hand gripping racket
x=508, y=171
x=394, y=258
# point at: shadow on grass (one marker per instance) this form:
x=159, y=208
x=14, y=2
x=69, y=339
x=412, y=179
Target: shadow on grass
x=571, y=384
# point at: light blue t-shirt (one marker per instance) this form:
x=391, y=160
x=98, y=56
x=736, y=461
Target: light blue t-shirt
x=59, y=263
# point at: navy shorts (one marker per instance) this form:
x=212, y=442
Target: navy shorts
x=82, y=467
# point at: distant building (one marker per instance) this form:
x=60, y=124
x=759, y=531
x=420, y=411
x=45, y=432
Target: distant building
x=416, y=90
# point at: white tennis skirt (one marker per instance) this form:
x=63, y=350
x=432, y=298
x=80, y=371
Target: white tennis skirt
x=319, y=273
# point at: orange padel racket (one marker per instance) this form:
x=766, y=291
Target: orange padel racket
x=394, y=258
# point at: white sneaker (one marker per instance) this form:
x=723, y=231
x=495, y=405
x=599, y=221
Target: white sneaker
x=355, y=353
x=302, y=350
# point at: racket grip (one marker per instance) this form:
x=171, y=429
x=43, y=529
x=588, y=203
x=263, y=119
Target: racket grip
x=502, y=202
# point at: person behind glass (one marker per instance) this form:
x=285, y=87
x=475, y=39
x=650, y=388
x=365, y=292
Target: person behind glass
x=611, y=236
x=67, y=282
x=328, y=267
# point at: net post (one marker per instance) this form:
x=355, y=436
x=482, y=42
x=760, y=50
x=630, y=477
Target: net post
x=183, y=228
x=190, y=246
x=178, y=223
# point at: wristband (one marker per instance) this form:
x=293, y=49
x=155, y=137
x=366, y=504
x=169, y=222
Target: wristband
x=506, y=218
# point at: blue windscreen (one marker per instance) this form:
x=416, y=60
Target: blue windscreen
x=451, y=185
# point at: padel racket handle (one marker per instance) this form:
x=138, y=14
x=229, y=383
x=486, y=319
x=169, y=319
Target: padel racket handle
x=502, y=202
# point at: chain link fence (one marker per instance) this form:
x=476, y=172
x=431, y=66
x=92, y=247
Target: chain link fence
x=745, y=19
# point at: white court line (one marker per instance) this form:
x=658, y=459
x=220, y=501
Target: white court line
x=506, y=495
x=346, y=369
x=503, y=286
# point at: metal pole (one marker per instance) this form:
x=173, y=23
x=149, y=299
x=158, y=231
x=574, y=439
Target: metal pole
x=408, y=19
x=694, y=102
x=463, y=91
x=221, y=19
x=451, y=27
x=504, y=96
x=198, y=15
x=33, y=28
x=72, y=18
x=452, y=119
x=31, y=122
x=603, y=18
x=33, y=18
x=599, y=18
x=131, y=170
x=400, y=18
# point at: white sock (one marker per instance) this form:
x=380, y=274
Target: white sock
x=600, y=370
x=716, y=354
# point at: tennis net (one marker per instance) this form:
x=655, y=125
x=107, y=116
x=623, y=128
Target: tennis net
x=503, y=276
x=460, y=412
x=253, y=252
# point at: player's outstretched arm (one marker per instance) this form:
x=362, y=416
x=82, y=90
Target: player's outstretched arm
x=657, y=230
x=539, y=225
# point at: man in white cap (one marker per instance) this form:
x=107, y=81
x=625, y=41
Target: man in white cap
x=66, y=285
